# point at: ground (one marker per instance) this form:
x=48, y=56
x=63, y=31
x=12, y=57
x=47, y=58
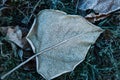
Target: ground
x=102, y=61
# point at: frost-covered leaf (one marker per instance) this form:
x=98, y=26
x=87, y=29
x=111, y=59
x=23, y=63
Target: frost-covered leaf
x=100, y=6
x=71, y=36
x=15, y=35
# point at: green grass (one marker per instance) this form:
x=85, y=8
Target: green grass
x=102, y=61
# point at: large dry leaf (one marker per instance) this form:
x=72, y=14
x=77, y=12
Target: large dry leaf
x=100, y=6
x=73, y=36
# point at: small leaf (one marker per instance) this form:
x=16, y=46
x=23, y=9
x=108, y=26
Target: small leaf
x=15, y=35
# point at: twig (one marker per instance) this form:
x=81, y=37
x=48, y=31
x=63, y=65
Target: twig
x=3, y=2
x=34, y=10
x=77, y=6
x=21, y=12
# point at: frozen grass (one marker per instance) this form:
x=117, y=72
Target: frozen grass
x=101, y=63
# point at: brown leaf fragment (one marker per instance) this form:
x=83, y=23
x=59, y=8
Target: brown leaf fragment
x=93, y=17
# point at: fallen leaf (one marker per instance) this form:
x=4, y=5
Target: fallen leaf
x=102, y=7
x=62, y=41
x=15, y=35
